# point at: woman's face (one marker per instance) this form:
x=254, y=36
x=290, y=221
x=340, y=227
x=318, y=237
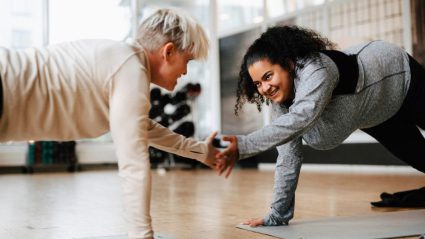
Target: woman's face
x=170, y=64
x=272, y=81
x=174, y=68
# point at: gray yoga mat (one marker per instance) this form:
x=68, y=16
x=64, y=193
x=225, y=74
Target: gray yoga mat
x=378, y=225
x=125, y=237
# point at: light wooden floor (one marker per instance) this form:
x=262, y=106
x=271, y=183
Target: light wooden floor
x=185, y=204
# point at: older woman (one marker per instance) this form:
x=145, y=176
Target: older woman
x=85, y=88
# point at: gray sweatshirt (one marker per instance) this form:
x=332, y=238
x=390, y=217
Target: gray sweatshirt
x=324, y=121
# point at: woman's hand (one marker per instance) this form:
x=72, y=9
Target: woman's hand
x=229, y=156
x=211, y=160
x=254, y=222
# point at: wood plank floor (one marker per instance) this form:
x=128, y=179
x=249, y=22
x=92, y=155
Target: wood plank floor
x=185, y=204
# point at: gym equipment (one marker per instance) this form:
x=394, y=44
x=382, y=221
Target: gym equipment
x=177, y=109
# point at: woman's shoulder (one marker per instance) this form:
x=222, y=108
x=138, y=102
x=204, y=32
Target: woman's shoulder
x=313, y=64
x=372, y=46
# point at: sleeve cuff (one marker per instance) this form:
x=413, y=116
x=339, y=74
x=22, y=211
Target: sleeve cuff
x=275, y=220
x=242, y=147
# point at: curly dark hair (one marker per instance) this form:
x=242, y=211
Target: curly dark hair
x=283, y=45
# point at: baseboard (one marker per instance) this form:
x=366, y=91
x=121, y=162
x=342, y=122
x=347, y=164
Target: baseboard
x=87, y=153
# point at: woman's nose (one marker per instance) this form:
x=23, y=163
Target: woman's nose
x=265, y=87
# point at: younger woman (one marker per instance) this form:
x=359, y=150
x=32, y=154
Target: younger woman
x=321, y=96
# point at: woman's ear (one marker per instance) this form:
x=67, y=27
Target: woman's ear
x=292, y=65
x=168, y=50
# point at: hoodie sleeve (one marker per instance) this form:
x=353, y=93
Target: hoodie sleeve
x=164, y=139
x=288, y=166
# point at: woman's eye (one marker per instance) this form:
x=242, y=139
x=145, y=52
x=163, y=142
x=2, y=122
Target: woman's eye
x=257, y=84
x=268, y=77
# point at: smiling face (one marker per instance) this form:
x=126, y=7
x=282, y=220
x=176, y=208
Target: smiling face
x=271, y=80
x=173, y=64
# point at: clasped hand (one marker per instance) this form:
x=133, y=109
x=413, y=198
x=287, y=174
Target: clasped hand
x=227, y=158
x=224, y=160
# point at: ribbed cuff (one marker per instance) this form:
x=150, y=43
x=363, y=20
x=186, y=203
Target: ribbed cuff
x=242, y=147
x=270, y=220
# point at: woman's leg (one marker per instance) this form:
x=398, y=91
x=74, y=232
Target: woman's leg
x=414, y=105
x=403, y=139
x=400, y=134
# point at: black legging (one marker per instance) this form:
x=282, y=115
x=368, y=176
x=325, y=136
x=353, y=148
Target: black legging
x=400, y=134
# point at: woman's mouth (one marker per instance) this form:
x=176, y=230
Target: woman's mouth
x=272, y=93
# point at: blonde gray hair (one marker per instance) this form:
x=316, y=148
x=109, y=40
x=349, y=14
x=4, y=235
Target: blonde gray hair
x=172, y=25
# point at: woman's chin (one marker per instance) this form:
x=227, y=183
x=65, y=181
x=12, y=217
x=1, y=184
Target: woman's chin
x=276, y=100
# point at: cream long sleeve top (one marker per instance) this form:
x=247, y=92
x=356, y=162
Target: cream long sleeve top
x=83, y=89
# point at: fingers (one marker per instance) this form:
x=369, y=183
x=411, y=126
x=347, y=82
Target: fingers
x=216, y=165
x=222, y=154
x=215, y=153
x=222, y=169
x=228, y=138
x=229, y=170
x=224, y=164
x=219, y=165
x=254, y=222
x=248, y=222
x=212, y=136
x=257, y=222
